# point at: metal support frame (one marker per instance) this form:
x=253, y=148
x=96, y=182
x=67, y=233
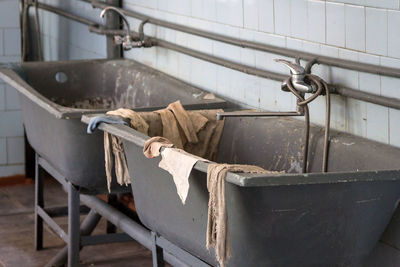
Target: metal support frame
x=162, y=249
x=157, y=252
x=78, y=235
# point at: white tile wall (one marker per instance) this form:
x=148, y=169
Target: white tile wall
x=265, y=15
x=335, y=24
x=359, y=30
x=11, y=130
x=355, y=27
x=15, y=150
x=12, y=42
x=298, y=18
x=376, y=31
x=393, y=33
x=3, y=151
x=12, y=99
x=2, y=97
x=316, y=21
x=282, y=14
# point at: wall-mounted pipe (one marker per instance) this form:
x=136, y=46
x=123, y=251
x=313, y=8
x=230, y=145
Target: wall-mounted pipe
x=341, y=90
x=341, y=63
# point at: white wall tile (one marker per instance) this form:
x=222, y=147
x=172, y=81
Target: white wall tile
x=9, y=14
x=266, y=16
x=204, y=9
x=230, y=12
x=12, y=42
x=12, y=99
x=247, y=56
x=15, y=150
x=250, y=11
x=377, y=123
x=316, y=21
x=390, y=87
x=2, y=97
x=370, y=83
x=1, y=42
x=145, y=3
x=376, y=31
x=311, y=47
x=11, y=123
x=3, y=151
x=282, y=14
x=344, y=77
x=394, y=118
x=335, y=24
x=298, y=18
x=355, y=27
x=10, y=170
x=8, y=59
x=356, y=112
x=251, y=90
x=338, y=113
x=393, y=4
x=390, y=62
x=294, y=44
x=268, y=90
x=393, y=33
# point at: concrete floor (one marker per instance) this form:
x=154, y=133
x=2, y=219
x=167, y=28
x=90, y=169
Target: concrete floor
x=16, y=233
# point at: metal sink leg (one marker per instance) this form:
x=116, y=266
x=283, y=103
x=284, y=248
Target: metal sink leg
x=39, y=202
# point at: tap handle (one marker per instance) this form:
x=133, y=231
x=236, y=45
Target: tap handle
x=295, y=69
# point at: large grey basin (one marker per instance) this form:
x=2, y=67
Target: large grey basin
x=290, y=219
x=54, y=95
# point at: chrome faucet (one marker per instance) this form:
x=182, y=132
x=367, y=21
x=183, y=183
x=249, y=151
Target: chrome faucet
x=126, y=41
x=298, y=83
x=297, y=74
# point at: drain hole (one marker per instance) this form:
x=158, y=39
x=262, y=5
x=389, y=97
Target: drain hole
x=61, y=77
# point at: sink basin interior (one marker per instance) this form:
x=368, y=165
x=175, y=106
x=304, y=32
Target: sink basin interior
x=104, y=84
x=277, y=144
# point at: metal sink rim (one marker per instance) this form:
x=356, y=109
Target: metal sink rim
x=10, y=77
x=253, y=180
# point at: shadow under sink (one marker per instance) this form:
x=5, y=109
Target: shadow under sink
x=285, y=219
x=54, y=95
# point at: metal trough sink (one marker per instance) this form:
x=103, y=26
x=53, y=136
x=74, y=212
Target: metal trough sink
x=54, y=95
x=290, y=219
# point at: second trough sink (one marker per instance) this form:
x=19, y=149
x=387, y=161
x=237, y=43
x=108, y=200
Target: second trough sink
x=54, y=95
x=285, y=219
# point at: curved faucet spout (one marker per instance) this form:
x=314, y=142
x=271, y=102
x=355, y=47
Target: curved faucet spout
x=126, y=41
x=103, y=12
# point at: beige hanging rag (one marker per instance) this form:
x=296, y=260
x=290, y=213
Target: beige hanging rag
x=115, y=144
x=176, y=161
x=178, y=126
x=179, y=164
x=152, y=147
x=217, y=236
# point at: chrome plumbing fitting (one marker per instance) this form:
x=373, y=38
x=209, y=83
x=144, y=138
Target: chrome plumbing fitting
x=297, y=73
x=126, y=41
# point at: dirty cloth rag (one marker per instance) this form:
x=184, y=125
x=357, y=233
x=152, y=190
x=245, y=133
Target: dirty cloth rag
x=217, y=236
x=176, y=161
x=152, y=147
x=178, y=126
x=114, y=144
x=195, y=135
